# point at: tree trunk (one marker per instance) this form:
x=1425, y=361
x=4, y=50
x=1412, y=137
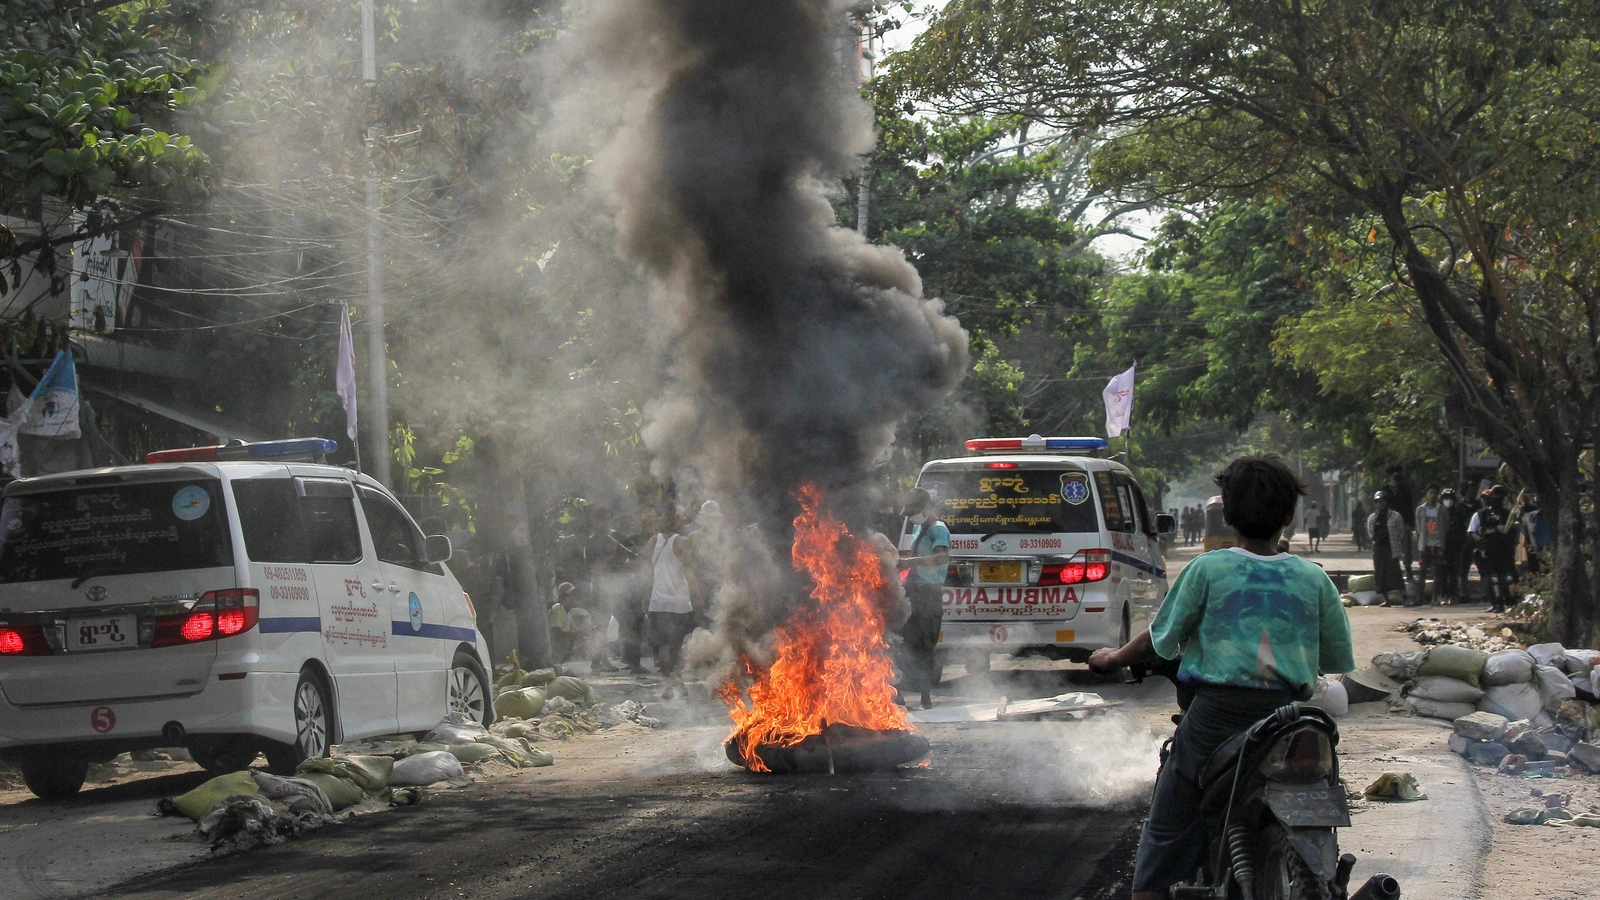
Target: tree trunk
x=1572, y=609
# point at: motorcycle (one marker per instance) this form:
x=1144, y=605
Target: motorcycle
x=1271, y=800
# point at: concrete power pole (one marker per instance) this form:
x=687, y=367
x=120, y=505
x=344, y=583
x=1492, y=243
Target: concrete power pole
x=377, y=348
x=863, y=75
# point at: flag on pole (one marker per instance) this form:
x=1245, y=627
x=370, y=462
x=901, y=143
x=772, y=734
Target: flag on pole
x=1119, y=402
x=52, y=409
x=345, y=375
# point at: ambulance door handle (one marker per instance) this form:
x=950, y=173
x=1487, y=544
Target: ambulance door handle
x=394, y=588
x=377, y=585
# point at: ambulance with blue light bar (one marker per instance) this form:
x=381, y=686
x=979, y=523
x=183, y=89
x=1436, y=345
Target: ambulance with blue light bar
x=234, y=600
x=1050, y=548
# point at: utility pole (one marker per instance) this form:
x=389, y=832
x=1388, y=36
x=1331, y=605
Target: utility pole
x=377, y=348
x=864, y=55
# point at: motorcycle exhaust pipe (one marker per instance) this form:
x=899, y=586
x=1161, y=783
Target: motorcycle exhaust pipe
x=1378, y=887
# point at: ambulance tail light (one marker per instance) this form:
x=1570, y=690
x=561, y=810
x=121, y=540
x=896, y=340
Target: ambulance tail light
x=23, y=640
x=219, y=614
x=1089, y=565
x=1097, y=565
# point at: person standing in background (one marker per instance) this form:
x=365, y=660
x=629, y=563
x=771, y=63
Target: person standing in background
x=929, y=563
x=1403, y=502
x=1433, y=522
x=1493, y=532
x=1536, y=534
x=1388, y=532
x=1455, y=543
x=1313, y=522
x=670, y=611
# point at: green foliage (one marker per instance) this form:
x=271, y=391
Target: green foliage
x=88, y=96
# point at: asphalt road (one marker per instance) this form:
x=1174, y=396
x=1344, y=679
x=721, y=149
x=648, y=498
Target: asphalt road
x=1004, y=809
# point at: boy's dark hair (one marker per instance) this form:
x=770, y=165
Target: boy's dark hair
x=1259, y=494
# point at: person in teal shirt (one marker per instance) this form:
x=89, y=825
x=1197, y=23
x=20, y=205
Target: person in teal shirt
x=1255, y=628
x=929, y=561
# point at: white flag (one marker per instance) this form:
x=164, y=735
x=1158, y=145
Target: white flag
x=1119, y=403
x=345, y=374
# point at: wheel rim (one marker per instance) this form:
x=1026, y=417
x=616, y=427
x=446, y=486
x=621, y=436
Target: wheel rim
x=310, y=720
x=466, y=694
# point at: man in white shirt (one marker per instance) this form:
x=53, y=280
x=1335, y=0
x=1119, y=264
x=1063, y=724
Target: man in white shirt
x=1433, y=521
x=669, y=615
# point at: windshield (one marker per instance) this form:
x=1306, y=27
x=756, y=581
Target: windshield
x=986, y=501
x=166, y=525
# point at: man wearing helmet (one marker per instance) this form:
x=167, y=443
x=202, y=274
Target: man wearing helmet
x=1493, y=534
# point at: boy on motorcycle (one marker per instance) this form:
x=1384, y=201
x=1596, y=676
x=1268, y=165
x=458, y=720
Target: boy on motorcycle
x=1255, y=628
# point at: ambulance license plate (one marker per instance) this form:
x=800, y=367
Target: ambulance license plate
x=1000, y=572
x=109, y=633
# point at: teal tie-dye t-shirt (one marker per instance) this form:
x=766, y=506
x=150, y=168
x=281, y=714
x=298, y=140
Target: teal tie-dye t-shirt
x=1254, y=621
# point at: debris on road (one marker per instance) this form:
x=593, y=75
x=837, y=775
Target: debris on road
x=1392, y=787
x=1071, y=705
x=1487, y=638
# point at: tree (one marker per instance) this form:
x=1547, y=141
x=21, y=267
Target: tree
x=88, y=95
x=1463, y=133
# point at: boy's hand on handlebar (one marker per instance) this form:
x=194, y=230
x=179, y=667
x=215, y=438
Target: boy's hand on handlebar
x=1103, y=660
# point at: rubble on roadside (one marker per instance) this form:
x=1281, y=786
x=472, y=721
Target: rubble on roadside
x=1529, y=713
x=1488, y=637
x=243, y=810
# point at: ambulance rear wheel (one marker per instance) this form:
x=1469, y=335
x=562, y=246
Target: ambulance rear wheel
x=54, y=778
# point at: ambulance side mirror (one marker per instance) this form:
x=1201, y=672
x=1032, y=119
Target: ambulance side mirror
x=1166, y=524
x=437, y=548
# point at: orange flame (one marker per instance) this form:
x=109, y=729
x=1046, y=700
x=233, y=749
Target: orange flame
x=832, y=661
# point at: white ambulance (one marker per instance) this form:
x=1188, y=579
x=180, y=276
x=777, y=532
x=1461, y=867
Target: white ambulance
x=229, y=599
x=1049, y=548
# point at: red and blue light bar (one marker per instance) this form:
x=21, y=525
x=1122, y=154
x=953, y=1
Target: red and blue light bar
x=1033, y=443
x=315, y=448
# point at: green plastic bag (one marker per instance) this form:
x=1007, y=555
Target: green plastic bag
x=341, y=792
x=369, y=773
x=1462, y=663
x=196, y=803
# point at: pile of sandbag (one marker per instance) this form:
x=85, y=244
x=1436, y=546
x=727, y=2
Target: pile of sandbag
x=470, y=744
x=1451, y=681
x=1359, y=591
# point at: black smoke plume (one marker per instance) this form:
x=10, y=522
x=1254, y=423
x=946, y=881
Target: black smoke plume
x=798, y=345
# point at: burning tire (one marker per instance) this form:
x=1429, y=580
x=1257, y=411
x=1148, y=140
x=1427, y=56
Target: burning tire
x=839, y=749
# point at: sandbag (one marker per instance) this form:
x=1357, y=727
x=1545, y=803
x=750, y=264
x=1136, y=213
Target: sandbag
x=196, y=803
x=1554, y=687
x=524, y=703
x=1399, y=666
x=1359, y=583
x=427, y=768
x=1444, y=690
x=1462, y=663
x=1514, y=701
x=1330, y=697
x=1546, y=654
x=518, y=751
x=456, y=729
x=298, y=794
x=369, y=773
x=472, y=753
x=1578, y=662
x=341, y=792
x=569, y=688
x=1434, y=709
x=1367, y=598
x=1508, y=667
x=538, y=677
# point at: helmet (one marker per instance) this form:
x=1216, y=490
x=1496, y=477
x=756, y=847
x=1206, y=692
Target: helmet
x=710, y=510
x=1383, y=495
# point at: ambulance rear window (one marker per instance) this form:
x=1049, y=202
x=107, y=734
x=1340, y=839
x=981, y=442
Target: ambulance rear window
x=983, y=501
x=114, y=529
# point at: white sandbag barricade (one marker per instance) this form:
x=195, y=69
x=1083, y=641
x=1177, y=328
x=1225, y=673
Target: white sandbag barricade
x=1434, y=709
x=1554, y=687
x=1508, y=667
x=1514, y=701
x=1444, y=689
x=428, y=768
